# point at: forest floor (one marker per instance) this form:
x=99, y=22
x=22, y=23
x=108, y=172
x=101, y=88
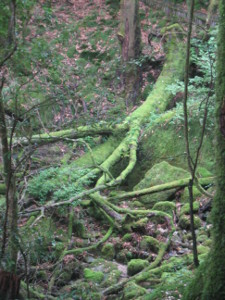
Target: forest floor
x=151, y=255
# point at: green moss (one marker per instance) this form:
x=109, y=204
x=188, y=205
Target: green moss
x=81, y=289
x=59, y=247
x=127, y=237
x=30, y=221
x=203, y=249
x=136, y=265
x=184, y=222
x=121, y=256
x=149, y=243
x=165, y=206
x=112, y=278
x=132, y=291
x=159, y=174
x=185, y=195
x=85, y=203
x=108, y=251
x=186, y=208
x=93, y=276
x=140, y=225
x=38, y=238
x=203, y=172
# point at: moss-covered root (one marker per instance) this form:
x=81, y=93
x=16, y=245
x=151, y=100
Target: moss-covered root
x=145, y=274
x=80, y=250
x=74, y=133
x=162, y=187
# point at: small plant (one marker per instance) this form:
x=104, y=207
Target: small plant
x=58, y=183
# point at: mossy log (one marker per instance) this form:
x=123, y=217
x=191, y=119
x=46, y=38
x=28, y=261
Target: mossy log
x=73, y=133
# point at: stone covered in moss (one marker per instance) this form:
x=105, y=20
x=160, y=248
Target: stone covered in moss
x=112, y=278
x=159, y=174
x=121, y=256
x=148, y=243
x=184, y=222
x=132, y=291
x=136, y=265
x=140, y=225
x=185, y=196
x=165, y=206
x=203, y=249
x=203, y=172
x=186, y=208
x=108, y=251
x=93, y=276
x=127, y=237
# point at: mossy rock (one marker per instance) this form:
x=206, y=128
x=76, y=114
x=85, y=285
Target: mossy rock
x=132, y=291
x=112, y=278
x=108, y=251
x=165, y=206
x=186, y=208
x=93, y=276
x=121, y=256
x=70, y=271
x=202, y=238
x=185, y=196
x=127, y=237
x=203, y=172
x=140, y=225
x=148, y=243
x=159, y=174
x=136, y=265
x=208, y=243
x=184, y=222
x=203, y=249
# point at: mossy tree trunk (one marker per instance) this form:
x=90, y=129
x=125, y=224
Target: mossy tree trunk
x=9, y=286
x=129, y=35
x=211, y=275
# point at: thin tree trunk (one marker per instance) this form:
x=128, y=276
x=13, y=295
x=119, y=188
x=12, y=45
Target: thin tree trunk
x=186, y=125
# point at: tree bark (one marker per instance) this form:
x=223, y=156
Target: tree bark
x=209, y=280
x=129, y=35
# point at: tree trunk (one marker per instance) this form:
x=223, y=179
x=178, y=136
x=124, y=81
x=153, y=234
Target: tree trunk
x=209, y=280
x=129, y=35
x=8, y=256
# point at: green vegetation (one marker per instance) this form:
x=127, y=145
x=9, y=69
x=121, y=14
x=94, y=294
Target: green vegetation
x=94, y=197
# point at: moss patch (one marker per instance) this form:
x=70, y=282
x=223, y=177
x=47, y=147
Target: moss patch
x=108, y=251
x=159, y=174
x=136, y=265
x=165, y=206
x=185, y=195
x=184, y=222
x=132, y=291
x=93, y=276
x=186, y=208
x=149, y=243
